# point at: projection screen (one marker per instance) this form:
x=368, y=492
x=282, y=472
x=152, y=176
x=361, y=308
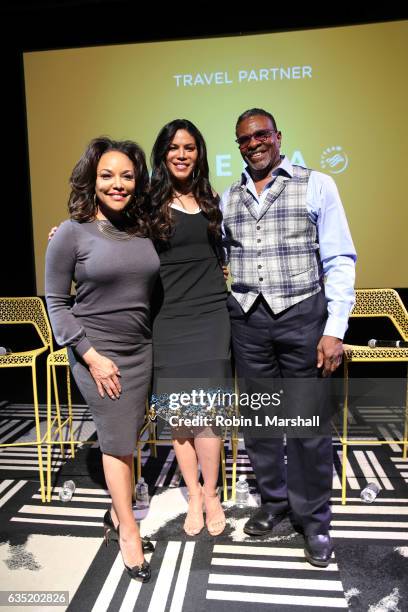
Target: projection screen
x=339, y=96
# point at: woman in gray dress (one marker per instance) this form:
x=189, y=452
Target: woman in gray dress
x=105, y=248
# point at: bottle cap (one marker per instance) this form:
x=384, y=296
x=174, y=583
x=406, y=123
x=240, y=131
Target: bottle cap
x=242, y=478
x=373, y=486
x=141, y=480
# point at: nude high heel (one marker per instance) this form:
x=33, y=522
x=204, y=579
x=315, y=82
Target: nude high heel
x=215, y=517
x=194, y=522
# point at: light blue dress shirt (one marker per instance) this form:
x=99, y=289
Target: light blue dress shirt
x=337, y=252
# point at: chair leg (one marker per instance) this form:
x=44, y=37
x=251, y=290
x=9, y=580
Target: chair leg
x=344, y=475
x=405, y=444
x=234, y=442
x=133, y=485
x=234, y=448
x=58, y=410
x=153, y=438
x=344, y=438
x=38, y=432
x=224, y=472
x=138, y=460
x=70, y=417
x=49, y=434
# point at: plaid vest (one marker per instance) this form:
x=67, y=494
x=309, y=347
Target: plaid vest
x=273, y=249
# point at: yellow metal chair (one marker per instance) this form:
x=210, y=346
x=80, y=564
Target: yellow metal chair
x=28, y=310
x=54, y=424
x=374, y=303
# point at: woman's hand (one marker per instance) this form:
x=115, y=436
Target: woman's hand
x=225, y=271
x=104, y=372
x=52, y=232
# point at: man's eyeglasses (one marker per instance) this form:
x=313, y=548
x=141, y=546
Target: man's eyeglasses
x=259, y=135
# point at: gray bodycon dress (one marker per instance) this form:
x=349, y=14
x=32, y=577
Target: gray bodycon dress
x=114, y=276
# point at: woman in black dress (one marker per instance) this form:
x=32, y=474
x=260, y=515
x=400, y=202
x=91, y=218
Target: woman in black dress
x=191, y=330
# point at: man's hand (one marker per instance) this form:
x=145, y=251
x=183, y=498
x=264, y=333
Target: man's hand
x=225, y=271
x=104, y=372
x=329, y=354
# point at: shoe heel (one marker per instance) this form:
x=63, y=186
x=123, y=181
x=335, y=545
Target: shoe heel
x=107, y=534
x=109, y=527
x=111, y=534
x=147, y=545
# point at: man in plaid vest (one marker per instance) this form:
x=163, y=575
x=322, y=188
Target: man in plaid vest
x=286, y=233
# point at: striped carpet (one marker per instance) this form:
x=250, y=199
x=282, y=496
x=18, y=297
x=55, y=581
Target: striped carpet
x=59, y=546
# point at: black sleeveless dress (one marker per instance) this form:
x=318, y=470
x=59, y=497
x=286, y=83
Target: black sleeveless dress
x=191, y=328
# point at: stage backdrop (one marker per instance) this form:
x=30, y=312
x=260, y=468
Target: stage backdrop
x=339, y=96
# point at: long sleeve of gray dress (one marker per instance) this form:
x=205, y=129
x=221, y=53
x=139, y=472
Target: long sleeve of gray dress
x=60, y=266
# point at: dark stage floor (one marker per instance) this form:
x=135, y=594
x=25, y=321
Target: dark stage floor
x=59, y=546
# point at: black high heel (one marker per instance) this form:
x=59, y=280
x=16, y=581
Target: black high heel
x=110, y=533
x=138, y=572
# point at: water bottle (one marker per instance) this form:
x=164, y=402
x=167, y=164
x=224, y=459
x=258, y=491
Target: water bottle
x=67, y=491
x=142, y=493
x=369, y=494
x=242, y=492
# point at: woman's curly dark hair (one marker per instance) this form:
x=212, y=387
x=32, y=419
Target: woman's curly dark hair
x=162, y=187
x=81, y=204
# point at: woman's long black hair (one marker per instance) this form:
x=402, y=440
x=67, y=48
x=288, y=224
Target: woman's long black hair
x=162, y=186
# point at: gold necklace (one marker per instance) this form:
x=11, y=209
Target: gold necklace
x=110, y=231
